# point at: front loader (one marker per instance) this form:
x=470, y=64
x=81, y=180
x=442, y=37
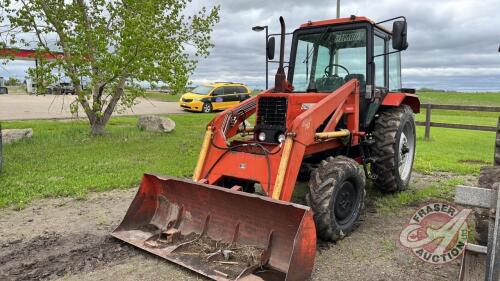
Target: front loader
x=345, y=119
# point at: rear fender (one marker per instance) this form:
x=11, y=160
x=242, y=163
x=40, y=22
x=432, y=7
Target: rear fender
x=396, y=99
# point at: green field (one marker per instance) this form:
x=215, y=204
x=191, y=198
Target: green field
x=459, y=151
x=461, y=117
x=157, y=96
x=62, y=160
x=483, y=99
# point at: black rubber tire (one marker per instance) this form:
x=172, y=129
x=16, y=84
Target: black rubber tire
x=205, y=107
x=387, y=133
x=496, y=161
x=333, y=176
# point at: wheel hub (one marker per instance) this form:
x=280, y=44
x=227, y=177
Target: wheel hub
x=345, y=201
x=406, y=148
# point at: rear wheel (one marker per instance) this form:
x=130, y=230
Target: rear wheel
x=207, y=107
x=336, y=196
x=394, y=148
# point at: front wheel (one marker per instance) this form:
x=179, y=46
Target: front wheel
x=394, y=148
x=207, y=107
x=336, y=196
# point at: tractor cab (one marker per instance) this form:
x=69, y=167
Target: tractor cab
x=327, y=54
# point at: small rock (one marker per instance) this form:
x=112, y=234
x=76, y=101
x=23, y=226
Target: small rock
x=156, y=124
x=13, y=135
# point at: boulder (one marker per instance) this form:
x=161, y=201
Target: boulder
x=13, y=135
x=156, y=124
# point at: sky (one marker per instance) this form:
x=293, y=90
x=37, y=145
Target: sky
x=453, y=44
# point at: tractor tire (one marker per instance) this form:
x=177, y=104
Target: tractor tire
x=207, y=107
x=336, y=196
x=393, y=151
x=496, y=161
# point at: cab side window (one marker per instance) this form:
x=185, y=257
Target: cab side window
x=218, y=92
x=394, y=70
x=379, y=49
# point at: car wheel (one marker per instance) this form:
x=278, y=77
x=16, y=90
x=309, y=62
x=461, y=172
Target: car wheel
x=207, y=107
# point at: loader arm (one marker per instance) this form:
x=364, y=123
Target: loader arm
x=218, y=158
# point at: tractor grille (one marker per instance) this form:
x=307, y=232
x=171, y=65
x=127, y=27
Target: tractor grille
x=187, y=100
x=272, y=112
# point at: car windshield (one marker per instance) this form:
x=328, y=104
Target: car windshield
x=202, y=90
x=327, y=59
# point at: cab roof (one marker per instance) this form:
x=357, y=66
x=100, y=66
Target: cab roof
x=351, y=19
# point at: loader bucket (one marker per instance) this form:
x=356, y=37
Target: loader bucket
x=220, y=233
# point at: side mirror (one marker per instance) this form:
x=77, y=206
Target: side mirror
x=270, y=48
x=399, y=38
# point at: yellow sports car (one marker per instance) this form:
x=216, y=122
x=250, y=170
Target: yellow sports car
x=214, y=96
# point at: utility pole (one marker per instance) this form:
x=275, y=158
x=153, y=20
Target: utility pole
x=336, y=53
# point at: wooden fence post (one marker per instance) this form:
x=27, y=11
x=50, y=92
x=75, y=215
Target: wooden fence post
x=428, y=109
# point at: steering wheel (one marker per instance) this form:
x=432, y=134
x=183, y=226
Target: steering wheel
x=332, y=65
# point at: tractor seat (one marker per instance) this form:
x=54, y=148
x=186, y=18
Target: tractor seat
x=361, y=79
x=329, y=84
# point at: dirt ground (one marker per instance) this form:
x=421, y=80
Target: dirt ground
x=68, y=239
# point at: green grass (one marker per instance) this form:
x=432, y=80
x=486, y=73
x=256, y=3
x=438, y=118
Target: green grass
x=451, y=150
x=483, y=99
x=457, y=151
x=157, y=96
x=461, y=117
x=62, y=160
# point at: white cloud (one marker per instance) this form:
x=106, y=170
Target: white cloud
x=447, y=38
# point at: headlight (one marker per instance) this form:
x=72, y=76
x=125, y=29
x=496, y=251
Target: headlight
x=262, y=136
x=281, y=138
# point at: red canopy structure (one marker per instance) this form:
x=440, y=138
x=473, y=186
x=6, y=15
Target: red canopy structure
x=30, y=55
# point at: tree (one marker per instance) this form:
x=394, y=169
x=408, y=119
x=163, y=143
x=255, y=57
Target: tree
x=110, y=44
x=12, y=81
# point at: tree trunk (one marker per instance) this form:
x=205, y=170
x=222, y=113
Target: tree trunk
x=97, y=128
x=98, y=124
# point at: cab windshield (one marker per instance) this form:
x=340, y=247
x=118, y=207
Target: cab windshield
x=202, y=90
x=328, y=59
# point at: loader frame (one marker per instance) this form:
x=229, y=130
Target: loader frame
x=245, y=160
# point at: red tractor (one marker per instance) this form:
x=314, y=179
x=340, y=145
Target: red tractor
x=345, y=110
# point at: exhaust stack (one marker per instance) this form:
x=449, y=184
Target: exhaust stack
x=280, y=82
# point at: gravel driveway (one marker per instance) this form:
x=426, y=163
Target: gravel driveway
x=18, y=107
